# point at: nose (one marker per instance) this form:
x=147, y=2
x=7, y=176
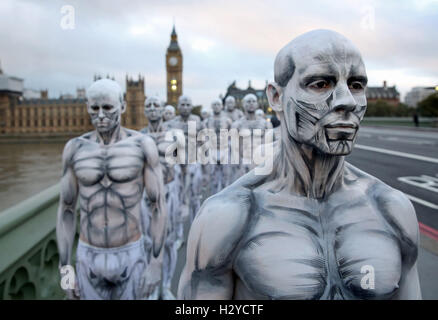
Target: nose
x=101, y=115
x=343, y=99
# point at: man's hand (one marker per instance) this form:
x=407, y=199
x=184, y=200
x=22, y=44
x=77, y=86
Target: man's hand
x=69, y=282
x=152, y=278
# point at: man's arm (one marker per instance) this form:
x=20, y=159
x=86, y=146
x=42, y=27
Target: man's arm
x=153, y=182
x=400, y=214
x=66, y=220
x=211, y=247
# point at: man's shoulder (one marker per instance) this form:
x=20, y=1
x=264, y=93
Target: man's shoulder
x=174, y=123
x=144, y=130
x=132, y=133
x=238, y=123
x=374, y=187
x=393, y=204
x=74, y=143
x=220, y=225
x=194, y=117
x=233, y=201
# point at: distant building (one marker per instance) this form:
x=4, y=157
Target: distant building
x=66, y=96
x=80, y=93
x=388, y=94
x=31, y=94
x=239, y=93
x=418, y=94
x=65, y=115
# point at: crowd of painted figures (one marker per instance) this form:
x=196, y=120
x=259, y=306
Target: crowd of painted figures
x=188, y=185
x=313, y=227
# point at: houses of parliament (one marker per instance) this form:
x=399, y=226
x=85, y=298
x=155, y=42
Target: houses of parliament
x=20, y=115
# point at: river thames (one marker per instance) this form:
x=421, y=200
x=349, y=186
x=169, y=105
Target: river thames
x=26, y=169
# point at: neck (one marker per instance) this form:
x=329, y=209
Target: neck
x=154, y=126
x=109, y=137
x=304, y=170
x=185, y=117
x=250, y=116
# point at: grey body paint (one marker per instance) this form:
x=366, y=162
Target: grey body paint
x=307, y=229
x=108, y=169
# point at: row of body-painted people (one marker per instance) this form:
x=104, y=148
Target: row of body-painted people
x=222, y=169
x=182, y=181
x=186, y=183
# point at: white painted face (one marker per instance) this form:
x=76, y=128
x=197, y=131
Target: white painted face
x=185, y=106
x=105, y=104
x=169, y=113
x=230, y=103
x=153, y=109
x=217, y=106
x=324, y=101
x=205, y=113
x=250, y=103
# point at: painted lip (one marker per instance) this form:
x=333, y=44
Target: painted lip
x=340, y=125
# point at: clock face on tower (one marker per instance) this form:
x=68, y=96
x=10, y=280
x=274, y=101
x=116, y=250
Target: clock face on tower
x=173, y=61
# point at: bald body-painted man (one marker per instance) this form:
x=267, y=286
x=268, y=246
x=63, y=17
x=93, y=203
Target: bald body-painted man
x=219, y=174
x=230, y=109
x=191, y=170
x=153, y=110
x=169, y=113
x=108, y=169
x=248, y=126
x=316, y=227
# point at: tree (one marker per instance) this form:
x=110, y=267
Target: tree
x=429, y=106
x=381, y=108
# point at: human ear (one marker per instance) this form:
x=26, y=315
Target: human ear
x=123, y=106
x=275, y=93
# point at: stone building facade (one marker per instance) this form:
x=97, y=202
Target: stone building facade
x=239, y=93
x=385, y=93
x=60, y=116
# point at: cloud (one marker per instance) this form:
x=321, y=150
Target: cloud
x=221, y=41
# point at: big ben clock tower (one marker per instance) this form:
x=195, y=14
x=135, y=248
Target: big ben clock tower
x=174, y=67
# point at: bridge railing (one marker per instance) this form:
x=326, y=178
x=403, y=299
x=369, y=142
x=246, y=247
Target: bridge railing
x=28, y=250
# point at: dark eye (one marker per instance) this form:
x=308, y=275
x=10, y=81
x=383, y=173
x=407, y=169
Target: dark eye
x=95, y=108
x=320, y=85
x=107, y=107
x=356, y=85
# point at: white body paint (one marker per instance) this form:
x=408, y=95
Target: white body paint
x=309, y=229
x=108, y=169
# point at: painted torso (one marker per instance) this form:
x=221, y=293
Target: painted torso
x=159, y=138
x=110, y=182
x=179, y=123
x=234, y=115
x=301, y=248
x=217, y=122
x=248, y=138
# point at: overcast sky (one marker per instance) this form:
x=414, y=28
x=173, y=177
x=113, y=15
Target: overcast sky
x=221, y=41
